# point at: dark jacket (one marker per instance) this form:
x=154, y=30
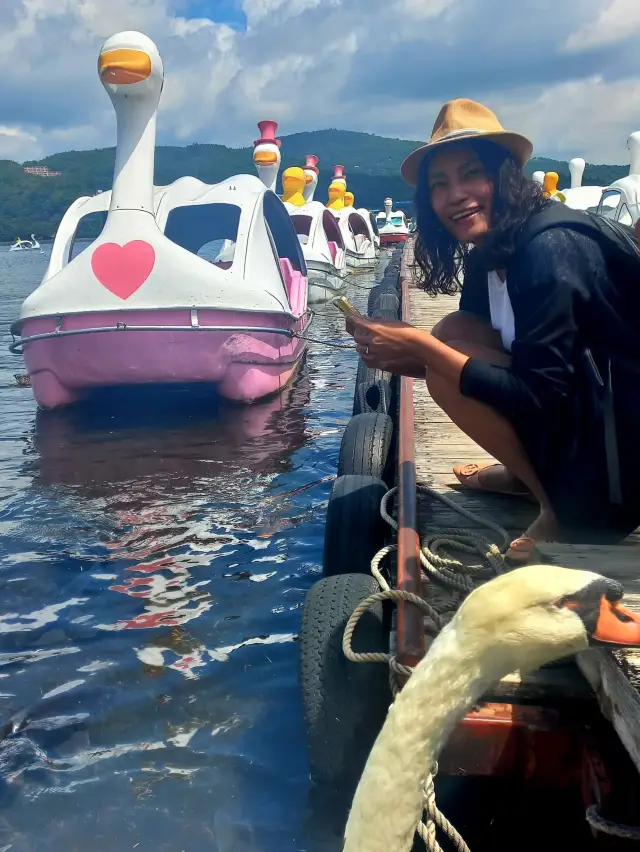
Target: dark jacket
x=565, y=300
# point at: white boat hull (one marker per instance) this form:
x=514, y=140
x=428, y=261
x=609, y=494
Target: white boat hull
x=360, y=261
x=324, y=282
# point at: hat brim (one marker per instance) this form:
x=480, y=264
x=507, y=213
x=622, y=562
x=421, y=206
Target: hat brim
x=519, y=146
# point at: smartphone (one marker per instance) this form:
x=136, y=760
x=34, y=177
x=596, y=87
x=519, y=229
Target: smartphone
x=348, y=309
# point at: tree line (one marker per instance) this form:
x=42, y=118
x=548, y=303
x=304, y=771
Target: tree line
x=33, y=204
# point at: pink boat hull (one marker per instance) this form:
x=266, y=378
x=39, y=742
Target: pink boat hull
x=244, y=365
x=392, y=239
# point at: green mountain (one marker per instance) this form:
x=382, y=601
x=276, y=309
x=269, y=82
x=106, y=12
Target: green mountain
x=32, y=204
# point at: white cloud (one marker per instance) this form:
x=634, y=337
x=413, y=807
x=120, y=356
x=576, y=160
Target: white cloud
x=372, y=65
x=617, y=22
x=14, y=142
x=566, y=120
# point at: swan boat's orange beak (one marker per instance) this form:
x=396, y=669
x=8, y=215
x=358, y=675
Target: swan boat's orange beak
x=124, y=66
x=265, y=158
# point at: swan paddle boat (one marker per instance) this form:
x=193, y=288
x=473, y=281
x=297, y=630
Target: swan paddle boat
x=392, y=225
x=372, y=225
x=369, y=219
x=577, y=196
x=621, y=200
x=25, y=245
x=318, y=232
x=323, y=248
x=151, y=301
x=360, y=248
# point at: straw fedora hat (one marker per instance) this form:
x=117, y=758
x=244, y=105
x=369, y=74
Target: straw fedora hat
x=465, y=119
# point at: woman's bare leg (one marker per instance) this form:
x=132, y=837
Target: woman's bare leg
x=464, y=326
x=493, y=432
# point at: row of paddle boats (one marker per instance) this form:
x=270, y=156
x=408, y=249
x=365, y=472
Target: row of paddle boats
x=620, y=201
x=189, y=282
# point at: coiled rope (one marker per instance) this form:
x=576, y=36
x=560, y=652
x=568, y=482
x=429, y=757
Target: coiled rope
x=460, y=577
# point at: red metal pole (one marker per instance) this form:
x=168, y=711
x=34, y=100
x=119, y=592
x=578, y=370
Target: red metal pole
x=410, y=628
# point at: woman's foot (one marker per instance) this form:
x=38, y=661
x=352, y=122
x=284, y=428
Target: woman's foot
x=544, y=528
x=492, y=477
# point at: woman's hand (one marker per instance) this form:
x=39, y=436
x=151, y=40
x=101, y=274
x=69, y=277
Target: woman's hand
x=400, y=348
x=387, y=345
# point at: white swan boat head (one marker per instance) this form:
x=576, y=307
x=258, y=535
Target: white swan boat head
x=518, y=621
x=621, y=200
x=168, y=261
x=266, y=153
x=577, y=196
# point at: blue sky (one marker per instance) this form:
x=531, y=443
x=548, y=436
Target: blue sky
x=564, y=72
x=223, y=11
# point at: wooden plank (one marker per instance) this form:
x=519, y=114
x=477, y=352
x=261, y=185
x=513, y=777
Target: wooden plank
x=614, y=677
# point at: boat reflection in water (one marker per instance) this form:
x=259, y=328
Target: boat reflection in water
x=177, y=481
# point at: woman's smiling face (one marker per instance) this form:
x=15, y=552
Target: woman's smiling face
x=461, y=193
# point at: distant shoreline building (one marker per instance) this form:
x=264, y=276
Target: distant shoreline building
x=40, y=171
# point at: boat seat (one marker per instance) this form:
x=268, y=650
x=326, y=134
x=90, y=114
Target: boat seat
x=360, y=240
x=333, y=248
x=295, y=284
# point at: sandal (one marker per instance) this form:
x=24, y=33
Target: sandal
x=521, y=550
x=469, y=476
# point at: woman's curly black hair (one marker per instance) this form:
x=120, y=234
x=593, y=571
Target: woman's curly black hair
x=515, y=198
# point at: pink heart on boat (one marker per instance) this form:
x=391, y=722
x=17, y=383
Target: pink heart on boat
x=123, y=269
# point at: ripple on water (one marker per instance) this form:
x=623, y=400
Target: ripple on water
x=153, y=561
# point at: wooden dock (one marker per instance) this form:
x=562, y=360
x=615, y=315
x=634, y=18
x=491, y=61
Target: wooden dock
x=614, y=677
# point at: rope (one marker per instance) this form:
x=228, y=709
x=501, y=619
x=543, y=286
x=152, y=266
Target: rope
x=614, y=829
x=446, y=571
x=322, y=342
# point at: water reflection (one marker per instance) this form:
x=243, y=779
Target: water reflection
x=154, y=560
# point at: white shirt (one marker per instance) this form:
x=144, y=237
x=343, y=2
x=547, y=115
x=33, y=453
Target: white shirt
x=500, y=307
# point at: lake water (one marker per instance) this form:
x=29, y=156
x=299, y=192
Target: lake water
x=154, y=558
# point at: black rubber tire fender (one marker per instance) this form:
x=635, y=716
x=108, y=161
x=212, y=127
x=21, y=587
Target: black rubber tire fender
x=373, y=396
x=365, y=445
x=344, y=704
x=354, y=529
x=370, y=374
x=387, y=302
